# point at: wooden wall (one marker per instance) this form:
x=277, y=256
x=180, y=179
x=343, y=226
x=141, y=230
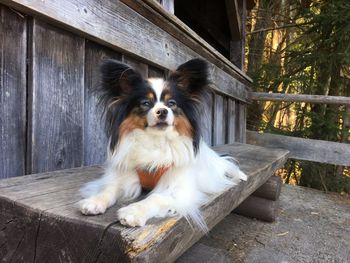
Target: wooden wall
x=48, y=114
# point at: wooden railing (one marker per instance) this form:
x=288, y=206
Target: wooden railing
x=262, y=96
x=301, y=148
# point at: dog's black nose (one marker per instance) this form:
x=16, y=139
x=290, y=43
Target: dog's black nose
x=162, y=113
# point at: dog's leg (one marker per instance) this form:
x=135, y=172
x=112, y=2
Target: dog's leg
x=114, y=186
x=176, y=193
x=155, y=205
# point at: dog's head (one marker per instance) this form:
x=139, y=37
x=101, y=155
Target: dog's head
x=132, y=102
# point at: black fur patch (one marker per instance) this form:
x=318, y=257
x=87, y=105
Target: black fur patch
x=123, y=89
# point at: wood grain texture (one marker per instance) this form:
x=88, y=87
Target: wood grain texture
x=241, y=124
x=231, y=121
x=60, y=232
x=168, y=5
x=258, y=208
x=156, y=14
x=95, y=139
x=56, y=72
x=114, y=24
x=237, y=44
x=220, y=120
x=207, y=120
x=304, y=149
x=270, y=190
x=154, y=72
x=262, y=96
x=234, y=19
x=136, y=64
x=13, y=85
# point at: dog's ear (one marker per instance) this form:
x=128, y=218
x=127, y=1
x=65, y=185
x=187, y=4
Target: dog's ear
x=118, y=79
x=192, y=76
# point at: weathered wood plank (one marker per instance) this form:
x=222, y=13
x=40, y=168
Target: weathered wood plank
x=168, y=5
x=262, y=96
x=220, y=121
x=174, y=26
x=207, y=120
x=241, y=114
x=95, y=139
x=55, y=138
x=270, y=190
x=13, y=50
x=142, y=68
x=95, y=239
x=304, y=149
x=237, y=44
x=114, y=24
x=234, y=19
x=242, y=122
x=259, y=208
x=154, y=72
x=231, y=121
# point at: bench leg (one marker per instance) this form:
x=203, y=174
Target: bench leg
x=263, y=203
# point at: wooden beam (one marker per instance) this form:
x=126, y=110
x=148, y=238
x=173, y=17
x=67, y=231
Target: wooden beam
x=237, y=44
x=262, y=96
x=234, y=19
x=258, y=208
x=43, y=209
x=174, y=26
x=168, y=5
x=114, y=24
x=270, y=190
x=13, y=93
x=304, y=149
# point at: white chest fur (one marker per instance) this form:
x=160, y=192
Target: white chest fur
x=152, y=148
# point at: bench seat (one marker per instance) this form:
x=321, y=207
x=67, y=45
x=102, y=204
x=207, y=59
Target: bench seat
x=40, y=220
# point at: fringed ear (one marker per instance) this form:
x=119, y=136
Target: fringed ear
x=192, y=76
x=118, y=79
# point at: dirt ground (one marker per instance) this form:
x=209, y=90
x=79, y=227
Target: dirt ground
x=312, y=227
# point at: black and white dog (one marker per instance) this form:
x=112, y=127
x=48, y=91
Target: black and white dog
x=155, y=143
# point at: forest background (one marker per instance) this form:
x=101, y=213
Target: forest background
x=302, y=47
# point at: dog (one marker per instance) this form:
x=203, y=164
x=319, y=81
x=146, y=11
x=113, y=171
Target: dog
x=155, y=143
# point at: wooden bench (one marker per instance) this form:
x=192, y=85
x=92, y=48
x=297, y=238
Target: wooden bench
x=40, y=220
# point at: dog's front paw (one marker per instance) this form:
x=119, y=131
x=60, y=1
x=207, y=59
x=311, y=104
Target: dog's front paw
x=93, y=206
x=132, y=215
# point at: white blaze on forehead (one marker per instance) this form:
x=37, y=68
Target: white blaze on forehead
x=158, y=86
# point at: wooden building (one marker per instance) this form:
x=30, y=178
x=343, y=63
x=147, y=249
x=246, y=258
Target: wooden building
x=50, y=54
x=49, y=122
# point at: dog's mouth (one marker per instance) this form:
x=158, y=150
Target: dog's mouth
x=161, y=125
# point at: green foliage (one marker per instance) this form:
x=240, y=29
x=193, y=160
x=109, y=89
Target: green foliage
x=312, y=58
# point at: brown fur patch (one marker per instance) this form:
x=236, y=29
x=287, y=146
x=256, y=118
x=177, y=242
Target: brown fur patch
x=150, y=96
x=131, y=123
x=183, y=126
x=167, y=97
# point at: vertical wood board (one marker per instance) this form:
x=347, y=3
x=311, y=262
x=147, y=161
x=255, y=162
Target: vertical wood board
x=136, y=64
x=13, y=85
x=95, y=139
x=207, y=120
x=241, y=122
x=220, y=107
x=57, y=84
x=231, y=121
x=154, y=72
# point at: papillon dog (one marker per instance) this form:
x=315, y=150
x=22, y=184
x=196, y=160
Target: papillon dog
x=155, y=144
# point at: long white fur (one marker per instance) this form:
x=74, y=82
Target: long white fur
x=182, y=189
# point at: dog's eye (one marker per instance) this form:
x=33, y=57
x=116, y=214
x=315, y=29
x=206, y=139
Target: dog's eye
x=145, y=103
x=171, y=103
